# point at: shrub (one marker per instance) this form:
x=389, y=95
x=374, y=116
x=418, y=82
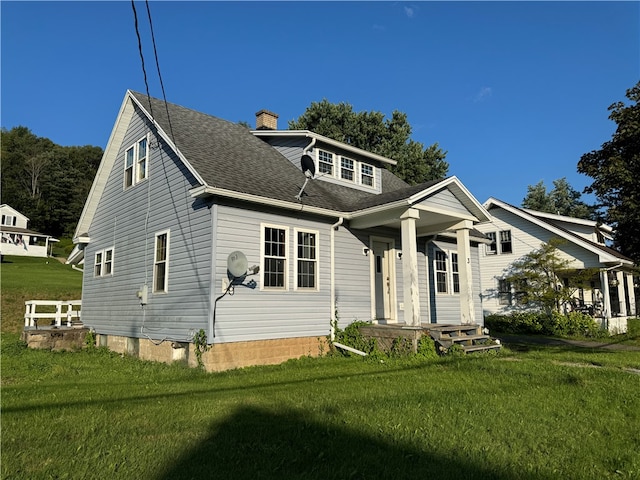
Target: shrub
x=572, y=324
x=352, y=337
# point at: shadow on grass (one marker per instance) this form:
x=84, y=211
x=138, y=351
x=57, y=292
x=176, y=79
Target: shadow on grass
x=259, y=444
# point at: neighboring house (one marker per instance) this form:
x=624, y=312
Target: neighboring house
x=515, y=232
x=17, y=239
x=176, y=198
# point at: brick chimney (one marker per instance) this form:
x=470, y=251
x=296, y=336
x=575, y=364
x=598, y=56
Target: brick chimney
x=266, y=120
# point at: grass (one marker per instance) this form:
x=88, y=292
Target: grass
x=536, y=413
x=544, y=413
x=30, y=278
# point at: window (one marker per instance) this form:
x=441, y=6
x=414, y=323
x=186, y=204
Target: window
x=441, y=272
x=161, y=263
x=347, y=169
x=306, y=260
x=504, y=292
x=103, y=265
x=325, y=162
x=142, y=160
x=492, y=247
x=455, y=273
x=136, y=163
x=366, y=174
x=275, y=257
x=505, y=241
x=9, y=220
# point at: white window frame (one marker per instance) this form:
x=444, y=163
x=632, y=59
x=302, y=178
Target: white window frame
x=345, y=162
x=452, y=275
x=100, y=263
x=436, y=264
x=165, y=261
x=298, y=258
x=455, y=273
x=264, y=257
x=510, y=241
x=136, y=166
x=493, y=236
x=325, y=161
x=364, y=175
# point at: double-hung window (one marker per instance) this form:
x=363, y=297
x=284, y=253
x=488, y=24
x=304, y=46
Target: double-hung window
x=505, y=241
x=325, y=162
x=366, y=174
x=274, y=254
x=161, y=263
x=455, y=273
x=306, y=260
x=441, y=272
x=492, y=247
x=136, y=162
x=347, y=171
x=504, y=292
x=103, y=264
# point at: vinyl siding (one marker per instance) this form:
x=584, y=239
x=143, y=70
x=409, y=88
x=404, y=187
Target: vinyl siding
x=110, y=304
x=525, y=237
x=445, y=200
x=259, y=314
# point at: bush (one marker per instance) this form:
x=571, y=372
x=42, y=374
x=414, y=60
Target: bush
x=536, y=323
x=352, y=337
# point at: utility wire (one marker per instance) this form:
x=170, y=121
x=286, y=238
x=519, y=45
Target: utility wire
x=144, y=71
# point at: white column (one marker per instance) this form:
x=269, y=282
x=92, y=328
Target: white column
x=632, y=295
x=606, y=300
x=467, y=313
x=410, y=267
x=622, y=299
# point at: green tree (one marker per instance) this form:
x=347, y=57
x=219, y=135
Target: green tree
x=561, y=200
x=48, y=183
x=615, y=169
x=544, y=278
x=372, y=132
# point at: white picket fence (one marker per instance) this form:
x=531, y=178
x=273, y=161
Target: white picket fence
x=67, y=310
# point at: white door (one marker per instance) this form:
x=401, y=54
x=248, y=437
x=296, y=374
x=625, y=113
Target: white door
x=382, y=274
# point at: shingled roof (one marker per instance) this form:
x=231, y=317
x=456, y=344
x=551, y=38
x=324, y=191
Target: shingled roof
x=228, y=156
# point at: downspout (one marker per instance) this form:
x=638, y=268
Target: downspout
x=309, y=147
x=332, y=315
x=213, y=209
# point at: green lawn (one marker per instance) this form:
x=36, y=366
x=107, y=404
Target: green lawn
x=545, y=413
x=537, y=413
x=29, y=278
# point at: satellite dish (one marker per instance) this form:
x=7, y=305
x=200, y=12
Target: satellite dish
x=308, y=166
x=237, y=265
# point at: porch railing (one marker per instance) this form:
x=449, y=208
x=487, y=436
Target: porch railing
x=56, y=310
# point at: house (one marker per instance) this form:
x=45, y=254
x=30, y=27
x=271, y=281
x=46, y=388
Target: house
x=17, y=239
x=184, y=204
x=514, y=232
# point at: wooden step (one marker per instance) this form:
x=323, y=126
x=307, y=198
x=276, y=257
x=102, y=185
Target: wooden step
x=464, y=338
x=480, y=348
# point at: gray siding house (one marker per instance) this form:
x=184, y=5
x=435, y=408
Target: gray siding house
x=514, y=232
x=185, y=204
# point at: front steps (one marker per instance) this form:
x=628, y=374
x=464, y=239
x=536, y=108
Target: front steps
x=470, y=337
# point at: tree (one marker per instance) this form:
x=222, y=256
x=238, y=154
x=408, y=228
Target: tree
x=562, y=200
x=615, y=169
x=372, y=132
x=544, y=279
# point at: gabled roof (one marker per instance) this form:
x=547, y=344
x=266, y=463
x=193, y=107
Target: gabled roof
x=228, y=160
x=605, y=254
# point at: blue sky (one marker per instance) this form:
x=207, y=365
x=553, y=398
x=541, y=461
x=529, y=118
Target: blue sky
x=515, y=92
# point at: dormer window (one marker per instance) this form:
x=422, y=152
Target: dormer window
x=366, y=174
x=136, y=162
x=346, y=169
x=325, y=162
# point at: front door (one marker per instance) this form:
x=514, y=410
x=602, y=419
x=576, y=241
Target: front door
x=383, y=281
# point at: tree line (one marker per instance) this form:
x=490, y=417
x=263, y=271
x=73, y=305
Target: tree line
x=48, y=183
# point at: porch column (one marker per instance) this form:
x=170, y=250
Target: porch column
x=632, y=295
x=622, y=298
x=606, y=300
x=467, y=314
x=410, y=267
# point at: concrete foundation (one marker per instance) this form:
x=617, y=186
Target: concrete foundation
x=55, y=339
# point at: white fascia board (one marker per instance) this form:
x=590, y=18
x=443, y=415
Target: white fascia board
x=106, y=164
x=168, y=140
x=248, y=197
x=566, y=219
x=323, y=139
x=481, y=214
x=603, y=256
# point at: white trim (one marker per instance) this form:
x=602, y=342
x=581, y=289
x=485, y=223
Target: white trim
x=103, y=262
x=325, y=140
x=166, y=262
x=296, y=287
x=393, y=307
x=287, y=258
